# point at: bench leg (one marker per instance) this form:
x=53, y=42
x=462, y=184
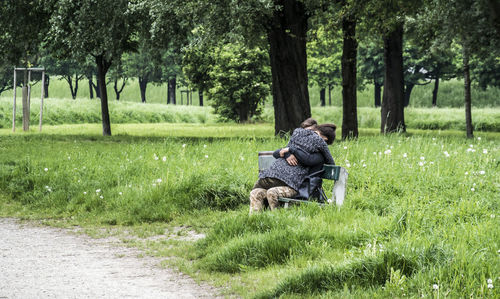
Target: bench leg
x=339, y=188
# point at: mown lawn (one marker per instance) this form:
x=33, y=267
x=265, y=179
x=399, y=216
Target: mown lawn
x=421, y=217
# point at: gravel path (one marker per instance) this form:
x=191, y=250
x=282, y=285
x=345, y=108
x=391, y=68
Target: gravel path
x=45, y=262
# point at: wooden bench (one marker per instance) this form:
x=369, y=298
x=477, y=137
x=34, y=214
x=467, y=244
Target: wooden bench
x=331, y=172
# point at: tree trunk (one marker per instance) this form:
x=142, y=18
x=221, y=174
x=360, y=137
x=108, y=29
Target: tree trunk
x=118, y=91
x=102, y=69
x=172, y=83
x=288, y=59
x=377, y=90
x=330, y=87
x=97, y=87
x=349, y=100
x=467, y=90
x=392, y=112
x=91, y=87
x=322, y=99
x=407, y=95
x=435, y=91
x=46, y=86
x=143, y=84
x=243, y=111
x=200, y=96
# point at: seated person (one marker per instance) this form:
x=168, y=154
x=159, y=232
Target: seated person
x=282, y=179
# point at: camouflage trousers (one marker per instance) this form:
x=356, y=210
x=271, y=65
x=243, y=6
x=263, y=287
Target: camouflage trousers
x=269, y=189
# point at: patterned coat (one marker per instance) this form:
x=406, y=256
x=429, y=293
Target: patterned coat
x=293, y=176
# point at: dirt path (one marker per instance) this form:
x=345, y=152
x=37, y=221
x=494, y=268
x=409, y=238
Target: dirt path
x=44, y=262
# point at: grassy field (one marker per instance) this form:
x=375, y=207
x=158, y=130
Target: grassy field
x=67, y=111
x=450, y=94
x=421, y=217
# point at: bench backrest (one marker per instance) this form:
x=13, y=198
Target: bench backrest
x=331, y=172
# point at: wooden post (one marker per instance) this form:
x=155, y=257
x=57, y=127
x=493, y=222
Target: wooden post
x=41, y=101
x=14, y=108
x=29, y=92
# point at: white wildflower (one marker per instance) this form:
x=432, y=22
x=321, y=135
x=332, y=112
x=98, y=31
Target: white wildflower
x=206, y=156
x=446, y=154
x=405, y=155
x=471, y=145
x=345, y=147
x=98, y=190
x=101, y=197
x=348, y=165
x=154, y=185
x=184, y=145
x=374, y=153
x=490, y=280
x=158, y=181
x=204, y=146
x=485, y=151
x=435, y=287
x=46, y=169
x=387, y=152
x=84, y=192
x=482, y=172
x=472, y=189
x=164, y=159
x=490, y=286
x=422, y=158
x=121, y=193
x=466, y=173
x=364, y=165
x=478, y=138
x=421, y=163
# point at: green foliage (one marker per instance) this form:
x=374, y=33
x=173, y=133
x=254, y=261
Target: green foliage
x=239, y=81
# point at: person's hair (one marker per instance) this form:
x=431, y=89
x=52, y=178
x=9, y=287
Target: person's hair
x=310, y=122
x=327, y=130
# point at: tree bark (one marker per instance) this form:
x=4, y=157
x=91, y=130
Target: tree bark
x=435, y=91
x=102, y=68
x=377, y=90
x=407, y=94
x=392, y=112
x=118, y=91
x=349, y=99
x=288, y=59
x=97, y=87
x=172, y=83
x=467, y=92
x=91, y=87
x=322, y=98
x=46, y=86
x=330, y=87
x=143, y=84
x=200, y=96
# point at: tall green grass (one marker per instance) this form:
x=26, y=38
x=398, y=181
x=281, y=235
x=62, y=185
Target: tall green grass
x=421, y=216
x=66, y=111
x=451, y=94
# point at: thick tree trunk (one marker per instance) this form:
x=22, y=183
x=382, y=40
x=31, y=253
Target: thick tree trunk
x=172, y=84
x=322, y=98
x=349, y=100
x=408, y=90
x=97, y=86
x=102, y=69
x=467, y=91
x=435, y=91
x=143, y=84
x=392, y=112
x=287, y=53
x=200, y=96
x=244, y=109
x=377, y=89
x=91, y=87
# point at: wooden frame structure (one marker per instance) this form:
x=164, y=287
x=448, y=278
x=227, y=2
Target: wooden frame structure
x=27, y=98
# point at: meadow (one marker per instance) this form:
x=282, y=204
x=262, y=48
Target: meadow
x=420, y=219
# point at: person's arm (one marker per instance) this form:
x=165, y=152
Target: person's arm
x=326, y=154
x=281, y=153
x=306, y=158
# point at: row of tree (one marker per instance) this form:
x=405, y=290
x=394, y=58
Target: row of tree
x=233, y=49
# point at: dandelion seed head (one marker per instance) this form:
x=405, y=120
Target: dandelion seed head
x=84, y=192
x=184, y=145
x=472, y=189
x=46, y=169
x=435, y=287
